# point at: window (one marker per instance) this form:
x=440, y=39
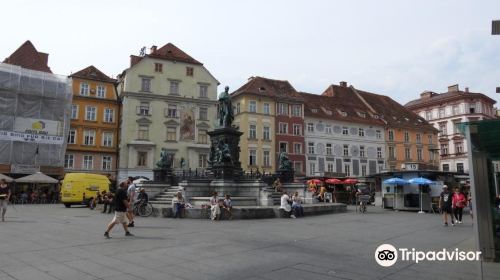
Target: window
x=443, y=129
x=172, y=134
x=459, y=148
x=142, y=159
x=328, y=129
x=330, y=168
x=146, y=84
x=455, y=127
x=363, y=170
x=379, y=152
x=345, y=130
x=297, y=166
x=106, y=162
x=419, y=154
x=407, y=153
x=419, y=138
x=312, y=168
x=392, y=153
x=158, y=67
x=143, y=132
x=441, y=113
x=460, y=167
x=88, y=162
x=189, y=71
x=379, y=134
x=283, y=128
x=283, y=147
x=347, y=170
x=472, y=108
x=297, y=110
x=109, y=115
x=107, y=139
x=282, y=109
x=252, y=157
x=431, y=155
x=444, y=149
x=346, y=150
x=202, y=160
x=297, y=148
x=69, y=161
x=89, y=137
x=203, y=91
x=202, y=136
x=310, y=127
x=456, y=110
x=72, y=136
x=428, y=115
x=310, y=148
x=407, y=136
x=266, y=156
x=74, y=112
x=446, y=167
x=391, y=135
x=267, y=109
x=101, y=91
x=143, y=109
x=430, y=138
x=252, y=106
x=237, y=108
x=297, y=129
x=266, y=133
x=172, y=111
x=84, y=89
x=203, y=114
x=90, y=113
x=252, y=131
x=329, y=149
x=362, y=151
x=361, y=132
x=174, y=87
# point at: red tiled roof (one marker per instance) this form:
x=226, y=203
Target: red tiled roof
x=171, y=52
x=439, y=98
x=28, y=57
x=92, y=73
x=277, y=89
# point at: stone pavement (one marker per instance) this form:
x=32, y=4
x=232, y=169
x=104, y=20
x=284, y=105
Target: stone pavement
x=52, y=242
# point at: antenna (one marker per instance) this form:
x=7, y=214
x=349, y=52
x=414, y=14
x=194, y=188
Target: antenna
x=143, y=51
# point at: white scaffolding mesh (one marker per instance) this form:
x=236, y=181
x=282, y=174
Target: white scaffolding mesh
x=34, y=116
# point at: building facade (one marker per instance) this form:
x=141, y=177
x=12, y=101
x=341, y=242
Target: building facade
x=341, y=138
x=445, y=111
x=270, y=113
x=93, y=134
x=169, y=101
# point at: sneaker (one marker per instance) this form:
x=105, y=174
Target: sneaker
x=459, y=222
x=128, y=234
x=452, y=224
x=292, y=216
x=106, y=234
x=131, y=224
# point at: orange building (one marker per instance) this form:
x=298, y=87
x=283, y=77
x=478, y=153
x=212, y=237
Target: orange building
x=93, y=134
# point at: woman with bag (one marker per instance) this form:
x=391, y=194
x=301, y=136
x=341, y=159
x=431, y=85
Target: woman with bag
x=458, y=203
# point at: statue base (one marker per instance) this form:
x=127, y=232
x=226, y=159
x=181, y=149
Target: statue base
x=286, y=176
x=229, y=169
x=163, y=175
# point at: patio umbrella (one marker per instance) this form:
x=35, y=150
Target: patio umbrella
x=350, y=181
x=38, y=177
x=333, y=181
x=6, y=178
x=395, y=181
x=314, y=181
x=421, y=181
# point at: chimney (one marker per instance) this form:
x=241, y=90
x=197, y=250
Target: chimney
x=152, y=49
x=343, y=84
x=466, y=89
x=426, y=94
x=453, y=88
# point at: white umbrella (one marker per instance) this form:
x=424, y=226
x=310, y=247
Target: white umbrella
x=6, y=178
x=38, y=177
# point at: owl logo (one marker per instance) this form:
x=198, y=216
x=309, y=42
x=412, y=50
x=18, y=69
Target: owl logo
x=38, y=125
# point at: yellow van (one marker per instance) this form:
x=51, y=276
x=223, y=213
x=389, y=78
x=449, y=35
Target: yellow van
x=79, y=188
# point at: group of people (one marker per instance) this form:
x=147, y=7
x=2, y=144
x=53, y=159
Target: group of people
x=452, y=204
x=292, y=206
x=217, y=205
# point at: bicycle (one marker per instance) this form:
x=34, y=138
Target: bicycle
x=363, y=201
x=143, y=208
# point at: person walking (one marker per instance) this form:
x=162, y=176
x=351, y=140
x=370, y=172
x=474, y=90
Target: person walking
x=131, y=193
x=4, y=197
x=458, y=204
x=445, y=204
x=121, y=206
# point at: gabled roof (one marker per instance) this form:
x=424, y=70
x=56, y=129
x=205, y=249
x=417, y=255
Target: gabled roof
x=167, y=52
x=277, y=89
x=432, y=98
x=28, y=57
x=92, y=73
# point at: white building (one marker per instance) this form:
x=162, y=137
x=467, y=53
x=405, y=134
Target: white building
x=446, y=111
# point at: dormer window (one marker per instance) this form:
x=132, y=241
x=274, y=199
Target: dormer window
x=314, y=110
x=343, y=113
x=375, y=116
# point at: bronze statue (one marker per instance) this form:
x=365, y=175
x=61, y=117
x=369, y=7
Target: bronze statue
x=165, y=159
x=284, y=162
x=226, y=114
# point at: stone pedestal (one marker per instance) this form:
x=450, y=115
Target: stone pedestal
x=286, y=176
x=227, y=168
x=163, y=175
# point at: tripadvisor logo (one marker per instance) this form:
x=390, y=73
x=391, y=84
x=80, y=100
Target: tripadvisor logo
x=387, y=255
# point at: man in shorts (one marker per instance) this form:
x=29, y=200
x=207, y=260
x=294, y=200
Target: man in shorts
x=445, y=204
x=121, y=206
x=131, y=192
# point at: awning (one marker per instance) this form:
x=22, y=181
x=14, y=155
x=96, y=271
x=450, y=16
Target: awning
x=6, y=178
x=38, y=177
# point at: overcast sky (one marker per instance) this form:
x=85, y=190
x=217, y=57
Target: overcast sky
x=393, y=47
